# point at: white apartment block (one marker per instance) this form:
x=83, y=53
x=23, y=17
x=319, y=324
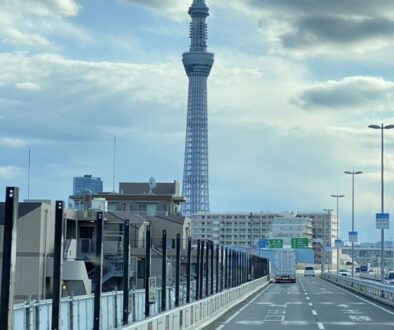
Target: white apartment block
x=245, y=229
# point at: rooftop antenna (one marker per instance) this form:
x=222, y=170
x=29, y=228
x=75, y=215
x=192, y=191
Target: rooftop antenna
x=28, y=177
x=113, y=172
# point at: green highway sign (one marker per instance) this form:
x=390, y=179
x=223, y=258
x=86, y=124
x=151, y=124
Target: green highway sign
x=274, y=243
x=299, y=243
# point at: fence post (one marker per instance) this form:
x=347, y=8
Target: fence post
x=57, y=266
x=212, y=250
x=164, y=271
x=126, y=278
x=9, y=258
x=188, y=268
x=217, y=268
x=198, y=269
x=98, y=270
x=201, y=268
x=177, y=268
x=147, y=270
x=207, y=268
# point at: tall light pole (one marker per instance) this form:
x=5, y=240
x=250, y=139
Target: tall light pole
x=324, y=233
x=353, y=173
x=337, y=196
x=382, y=128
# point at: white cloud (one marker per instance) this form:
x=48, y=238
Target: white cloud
x=10, y=172
x=28, y=86
x=31, y=24
x=10, y=142
x=172, y=9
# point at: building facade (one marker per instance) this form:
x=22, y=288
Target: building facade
x=198, y=63
x=370, y=254
x=87, y=184
x=246, y=229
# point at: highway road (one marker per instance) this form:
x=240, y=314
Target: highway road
x=311, y=303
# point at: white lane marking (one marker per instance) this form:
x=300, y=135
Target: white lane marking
x=320, y=325
x=241, y=309
x=365, y=300
x=306, y=293
x=307, y=298
x=314, y=312
x=310, y=304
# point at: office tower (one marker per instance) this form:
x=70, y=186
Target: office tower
x=87, y=184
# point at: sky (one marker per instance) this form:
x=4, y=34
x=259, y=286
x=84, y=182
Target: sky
x=294, y=86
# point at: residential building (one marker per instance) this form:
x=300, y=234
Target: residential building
x=34, y=255
x=246, y=229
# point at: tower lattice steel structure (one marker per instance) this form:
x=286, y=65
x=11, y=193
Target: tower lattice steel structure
x=198, y=63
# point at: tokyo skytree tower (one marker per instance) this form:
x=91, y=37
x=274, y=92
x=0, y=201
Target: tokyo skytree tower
x=198, y=63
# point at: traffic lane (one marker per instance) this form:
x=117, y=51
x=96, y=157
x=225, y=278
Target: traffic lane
x=337, y=308
x=277, y=306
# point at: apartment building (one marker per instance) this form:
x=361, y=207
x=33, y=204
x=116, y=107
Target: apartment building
x=245, y=229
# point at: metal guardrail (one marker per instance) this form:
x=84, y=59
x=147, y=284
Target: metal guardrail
x=377, y=291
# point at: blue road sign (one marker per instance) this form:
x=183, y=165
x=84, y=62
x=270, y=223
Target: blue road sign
x=353, y=235
x=262, y=244
x=338, y=244
x=382, y=220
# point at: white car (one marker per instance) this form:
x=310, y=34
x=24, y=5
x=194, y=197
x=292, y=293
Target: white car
x=309, y=271
x=389, y=277
x=344, y=272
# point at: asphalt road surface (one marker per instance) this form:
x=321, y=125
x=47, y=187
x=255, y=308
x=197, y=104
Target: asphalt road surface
x=311, y=303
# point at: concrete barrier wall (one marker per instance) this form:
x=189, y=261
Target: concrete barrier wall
x=377, y=291
x=200, y=313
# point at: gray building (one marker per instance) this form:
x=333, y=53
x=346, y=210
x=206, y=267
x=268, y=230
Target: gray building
x=34, y=255
x=87, y=184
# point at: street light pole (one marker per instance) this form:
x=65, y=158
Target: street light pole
x=337, y=196
x=382, y=128
x=324, y=234
x=353, y=173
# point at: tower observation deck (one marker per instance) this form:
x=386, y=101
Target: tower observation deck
x=198, y=63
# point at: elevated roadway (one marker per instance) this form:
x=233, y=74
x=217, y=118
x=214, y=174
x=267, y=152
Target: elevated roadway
x=311, y=303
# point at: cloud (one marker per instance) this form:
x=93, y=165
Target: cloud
x=355, y=93
x=28, y=86
x=121, y=95
x=32, y=24
x=308, y=28
x=13, y=142
x=172, y=9
x=10, y=172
